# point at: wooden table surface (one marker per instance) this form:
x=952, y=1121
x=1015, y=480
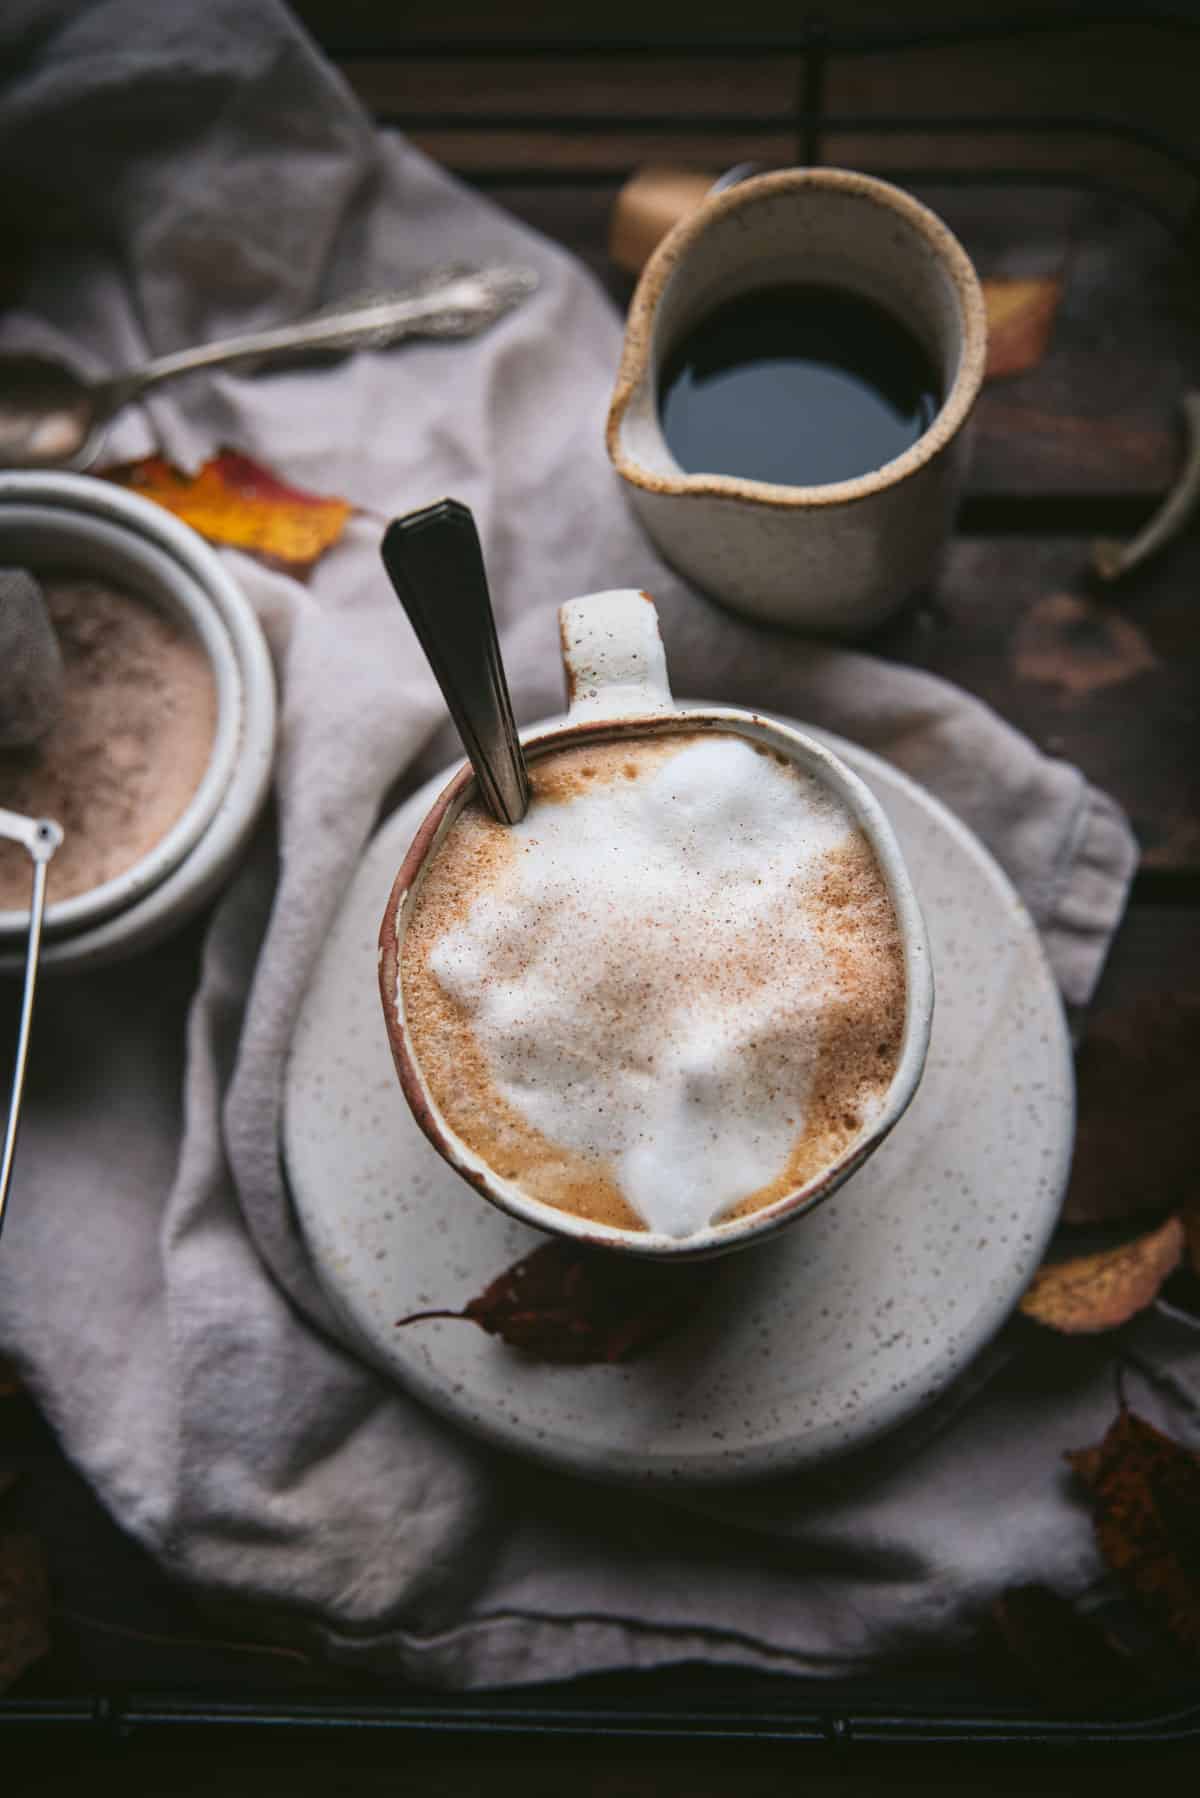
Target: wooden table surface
x=1081, y=444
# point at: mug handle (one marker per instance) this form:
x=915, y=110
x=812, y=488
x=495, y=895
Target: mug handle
x=613, y=655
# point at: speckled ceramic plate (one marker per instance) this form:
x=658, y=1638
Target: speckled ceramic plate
x=809, y=1344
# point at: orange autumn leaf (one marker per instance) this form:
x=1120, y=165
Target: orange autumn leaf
x=235, y=502
x=1145, y=1493
x=1101, y=1291
x=1020, y=316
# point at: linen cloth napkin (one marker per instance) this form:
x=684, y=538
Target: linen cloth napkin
x=205, y=170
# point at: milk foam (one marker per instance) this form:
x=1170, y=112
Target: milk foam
x=649, y=973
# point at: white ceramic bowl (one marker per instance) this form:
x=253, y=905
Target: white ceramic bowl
x=96, y=528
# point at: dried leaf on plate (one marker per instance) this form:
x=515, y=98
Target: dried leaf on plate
x=24, y=1605
x=236, y=502
x=1020, y=317
x=1104, y=1290
x=571, y=1306
x=1145, y=1492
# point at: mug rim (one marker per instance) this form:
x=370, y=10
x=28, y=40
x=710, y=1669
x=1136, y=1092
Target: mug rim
x=714, y=1238
x=636, y=350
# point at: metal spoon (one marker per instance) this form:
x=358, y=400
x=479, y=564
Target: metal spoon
x=434, y=562
x=52, y=418
x=41, y=837
x=1110, y=558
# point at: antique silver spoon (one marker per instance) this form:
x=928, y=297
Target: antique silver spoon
x=52, y=418
x=434, y=562
x=1112, y=559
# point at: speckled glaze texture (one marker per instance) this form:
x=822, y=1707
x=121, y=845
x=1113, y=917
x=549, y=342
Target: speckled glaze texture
x=617, y=678
x=831, y=559
x=79, y=521
x=811, y=1343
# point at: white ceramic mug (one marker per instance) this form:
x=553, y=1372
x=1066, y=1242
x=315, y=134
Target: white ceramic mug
x=836, y=558
x=617, y=684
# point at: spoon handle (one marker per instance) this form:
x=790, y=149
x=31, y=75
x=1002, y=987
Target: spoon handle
x=41, y=837
x=434, y=562
x=455, y=301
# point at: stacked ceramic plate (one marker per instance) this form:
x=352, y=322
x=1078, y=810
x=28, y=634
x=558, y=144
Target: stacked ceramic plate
x=89, y=529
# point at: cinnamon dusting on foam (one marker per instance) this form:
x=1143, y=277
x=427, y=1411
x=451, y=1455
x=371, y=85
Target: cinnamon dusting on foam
x=671, y=995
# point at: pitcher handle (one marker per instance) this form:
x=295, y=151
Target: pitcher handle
x=613, y=655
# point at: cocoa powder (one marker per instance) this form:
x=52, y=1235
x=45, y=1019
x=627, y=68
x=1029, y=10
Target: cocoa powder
x=129, y=748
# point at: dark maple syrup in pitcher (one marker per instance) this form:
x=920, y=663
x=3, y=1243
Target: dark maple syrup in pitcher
x=799, y=385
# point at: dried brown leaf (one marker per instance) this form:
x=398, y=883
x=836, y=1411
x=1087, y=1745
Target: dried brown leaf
x=24, y=1605
x=1145, y=1493
x=1104, y=1290
x=574, y=1306
x=1088, y=1463
x=1079, y=646
x=1020, y=317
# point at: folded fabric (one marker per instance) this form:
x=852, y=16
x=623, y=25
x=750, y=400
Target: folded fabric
x=207, y=175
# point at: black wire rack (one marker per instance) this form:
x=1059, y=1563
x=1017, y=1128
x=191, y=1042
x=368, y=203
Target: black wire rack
x=809, y=122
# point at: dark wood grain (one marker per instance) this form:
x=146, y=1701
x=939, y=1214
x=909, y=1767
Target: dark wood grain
x=1135, y=1150
x=1099, y=416
x=1111, y=102
x=606, y=89
x=1106, y=679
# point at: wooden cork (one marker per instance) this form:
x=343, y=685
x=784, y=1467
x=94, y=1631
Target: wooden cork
x=646, y=208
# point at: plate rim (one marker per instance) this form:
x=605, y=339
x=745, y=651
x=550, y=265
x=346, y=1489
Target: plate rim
x=771, y=1457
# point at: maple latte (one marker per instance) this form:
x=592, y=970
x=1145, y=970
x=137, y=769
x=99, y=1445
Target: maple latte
x=673, y=994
